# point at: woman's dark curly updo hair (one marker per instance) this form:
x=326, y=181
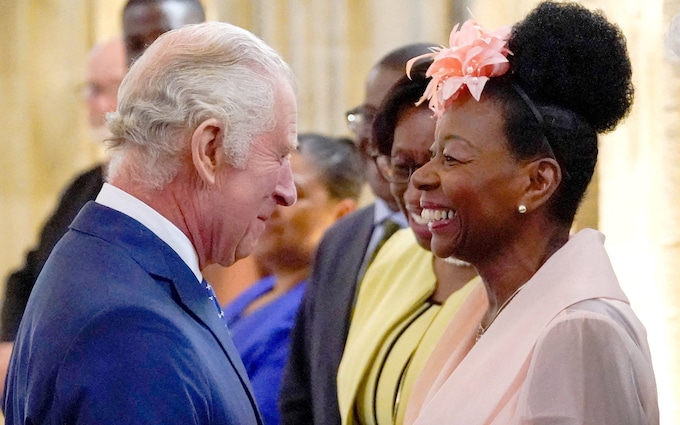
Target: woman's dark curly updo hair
x=402, y=96
x=573, y=64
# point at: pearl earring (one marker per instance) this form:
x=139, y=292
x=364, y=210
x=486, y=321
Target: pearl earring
x=522, y=209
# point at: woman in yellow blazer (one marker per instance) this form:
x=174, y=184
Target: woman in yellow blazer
x=407, y=295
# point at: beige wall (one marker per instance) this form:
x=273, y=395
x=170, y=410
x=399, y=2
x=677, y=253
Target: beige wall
x=331, y=45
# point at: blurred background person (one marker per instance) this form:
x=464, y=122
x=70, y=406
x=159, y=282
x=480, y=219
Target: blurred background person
x=309, y=389
x=105, y=69
x=328, y=175
x=143, y=20
x=408, y=295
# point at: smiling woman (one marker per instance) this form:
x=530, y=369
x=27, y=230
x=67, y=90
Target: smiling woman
x=551, y=338
x=407, y=295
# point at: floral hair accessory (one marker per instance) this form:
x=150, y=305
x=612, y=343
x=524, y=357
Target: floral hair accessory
x=474, y=55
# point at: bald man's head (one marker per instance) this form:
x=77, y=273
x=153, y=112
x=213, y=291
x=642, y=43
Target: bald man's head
x=106, y=66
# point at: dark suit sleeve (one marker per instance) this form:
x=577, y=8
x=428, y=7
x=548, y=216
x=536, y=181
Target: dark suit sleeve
x=20, y=283
x=295, y=399
x=309, y=391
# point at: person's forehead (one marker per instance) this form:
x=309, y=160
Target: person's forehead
x=156, y=17
x=108, y=63
x=282, y=139
x=379, y=82
x=287, y=108
x=301, y=162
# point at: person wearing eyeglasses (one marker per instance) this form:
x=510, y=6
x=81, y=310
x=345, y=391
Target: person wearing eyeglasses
x=407, y=296
x=309, y=392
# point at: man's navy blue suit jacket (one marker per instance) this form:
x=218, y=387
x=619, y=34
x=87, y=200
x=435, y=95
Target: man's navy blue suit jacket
x=118, y=331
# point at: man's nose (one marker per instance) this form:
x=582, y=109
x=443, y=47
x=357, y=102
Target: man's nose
x=285, y=192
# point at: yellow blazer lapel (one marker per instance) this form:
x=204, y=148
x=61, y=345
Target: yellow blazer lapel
x=385, y=297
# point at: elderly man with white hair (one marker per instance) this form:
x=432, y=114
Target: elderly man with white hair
x=120, y=327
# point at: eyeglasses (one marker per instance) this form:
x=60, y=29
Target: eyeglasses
x=360, y=120
x=92, y=89
x=399, y=173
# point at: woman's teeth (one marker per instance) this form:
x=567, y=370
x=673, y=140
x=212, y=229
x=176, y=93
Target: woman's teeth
x=429, y=215
x=419, y=219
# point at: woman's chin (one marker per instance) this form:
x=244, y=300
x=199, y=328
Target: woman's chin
x=421, y=231
x=422, y=234
x=441, y=248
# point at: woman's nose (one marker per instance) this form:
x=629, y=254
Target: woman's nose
x=424, y=178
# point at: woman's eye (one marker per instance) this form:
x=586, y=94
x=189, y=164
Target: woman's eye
x=449, y=159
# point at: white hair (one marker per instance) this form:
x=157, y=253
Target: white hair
x=201, y=71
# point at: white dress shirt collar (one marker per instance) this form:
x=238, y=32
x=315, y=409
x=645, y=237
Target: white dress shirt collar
x=127, y=204
x=382, y=212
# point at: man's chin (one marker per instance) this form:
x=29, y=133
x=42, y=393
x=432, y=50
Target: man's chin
x=245, y=248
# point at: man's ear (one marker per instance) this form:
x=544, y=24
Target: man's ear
x=206, y=149
x=344, y=207
x=544, y=177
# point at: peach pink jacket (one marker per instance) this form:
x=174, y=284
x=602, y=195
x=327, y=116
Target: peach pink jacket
x=568, y=349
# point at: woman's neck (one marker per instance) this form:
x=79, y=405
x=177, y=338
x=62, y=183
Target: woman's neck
x=505, y=274
x=288, y=279
x=450, y=278
x=284, y=281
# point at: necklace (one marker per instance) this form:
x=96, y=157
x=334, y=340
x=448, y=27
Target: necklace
x=481, y=329
x=456, y=262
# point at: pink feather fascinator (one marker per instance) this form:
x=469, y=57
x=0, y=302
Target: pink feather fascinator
x=474, y=55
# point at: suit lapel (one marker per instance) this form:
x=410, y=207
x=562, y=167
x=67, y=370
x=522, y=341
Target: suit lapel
x=163, y=263
x=357, y=238
x=195, y=298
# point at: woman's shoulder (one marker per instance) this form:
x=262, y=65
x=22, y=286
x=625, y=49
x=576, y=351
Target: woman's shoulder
x=595, y=347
